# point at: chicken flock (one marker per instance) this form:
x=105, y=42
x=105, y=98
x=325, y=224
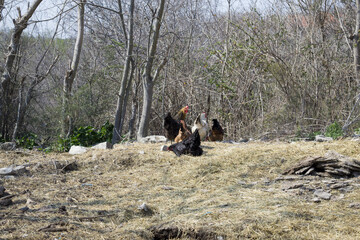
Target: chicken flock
x=188, y=141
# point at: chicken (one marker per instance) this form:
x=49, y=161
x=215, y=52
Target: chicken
x=183, y=132
x=201, y=125
x=182, y=113
x=172, y=125
x=191, y=145
x=216, y=132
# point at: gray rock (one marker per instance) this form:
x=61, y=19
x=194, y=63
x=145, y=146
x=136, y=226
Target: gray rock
x=354, y=205
x=14, y=170
x=78, y=150
x=316, y=200
x=8, y=146
x=103, y=145
x=292, y=185
x=323, y=195
x=2, y=191
x=163, y=148
x=322, y=138
x=153, y=139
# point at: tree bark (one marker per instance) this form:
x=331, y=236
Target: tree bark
x=356, y=50
x=71, y=72
x=148, y=81
x=2, y=6
x=8, y=76
x=120, y=111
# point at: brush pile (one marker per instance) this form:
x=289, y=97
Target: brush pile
x=332, y=164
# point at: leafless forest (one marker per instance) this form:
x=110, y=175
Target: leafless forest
x=286, y=67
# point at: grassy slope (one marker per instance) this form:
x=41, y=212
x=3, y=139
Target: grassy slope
x=230, y=190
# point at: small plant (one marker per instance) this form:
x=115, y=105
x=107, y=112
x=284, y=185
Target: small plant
x=27, y=141
x=311, y=136
x=334, y=130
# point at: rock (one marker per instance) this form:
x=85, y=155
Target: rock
x=2, y=191
x=14, y=170
x=323, y=195
x=355, y=205
x=145, y=209
x=163, y=148
x=153, y=139
x=8, y=146
x=141, y=152
x=70, y=167
x=316, y=200
x=292, y=185
x=103, y=145
x=339, y=185
x=77, y=150
x=322, y=138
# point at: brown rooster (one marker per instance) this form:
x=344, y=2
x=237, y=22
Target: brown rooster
x=182, y=113
x=216, y=132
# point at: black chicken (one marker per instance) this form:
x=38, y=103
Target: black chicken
x=171, y=127
x=191, y=145
x=216, y=132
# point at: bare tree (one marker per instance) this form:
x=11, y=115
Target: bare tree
x=356, y=51
x=7, y=77
x=2, y=6
x=71, y=72
x=121, y=102
x=148, y=80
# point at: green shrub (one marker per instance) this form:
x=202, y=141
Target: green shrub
x=27, y=141
x=86, y=136
x=334, y=130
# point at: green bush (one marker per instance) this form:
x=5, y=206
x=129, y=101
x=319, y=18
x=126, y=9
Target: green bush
x=27, y=141
x=334, y=130
x=86, y=136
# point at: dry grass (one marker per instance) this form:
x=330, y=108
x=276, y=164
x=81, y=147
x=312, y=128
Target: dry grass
x=230, y=191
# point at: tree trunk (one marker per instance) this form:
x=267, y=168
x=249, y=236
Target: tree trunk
x=71, y=72
x=356, y=49
x=120, y=111
x=2, y=6
x=8, y=75
x=148, y=81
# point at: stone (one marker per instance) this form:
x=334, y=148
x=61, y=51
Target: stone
x=103, y=145
x=7, y=146
x=355, y=205
x=163, y=148
x=14, y=170
x=78, y=150
x=323, y=195
x=322, y=138
x=153, y=139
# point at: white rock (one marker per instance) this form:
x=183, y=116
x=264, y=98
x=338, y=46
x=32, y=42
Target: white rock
x=78, y=150
x=13, y=170
x=153, y=139
x=322, y=138
x=103, y=145
x=323, y=195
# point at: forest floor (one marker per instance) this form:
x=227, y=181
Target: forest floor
x=137, y=191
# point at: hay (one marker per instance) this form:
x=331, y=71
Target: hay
x=233, y=191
